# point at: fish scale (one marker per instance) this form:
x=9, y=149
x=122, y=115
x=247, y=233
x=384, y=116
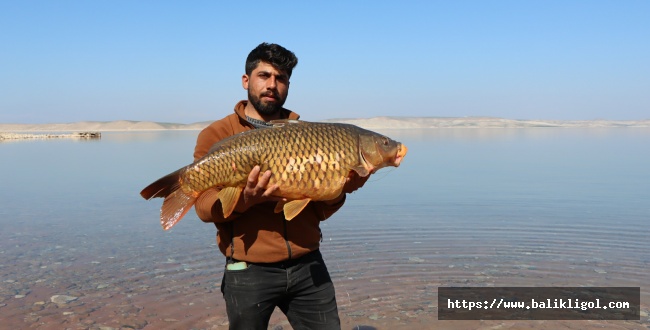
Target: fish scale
x=308, y=161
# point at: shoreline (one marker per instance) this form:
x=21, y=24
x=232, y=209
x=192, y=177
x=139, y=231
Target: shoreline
x=37, y=136
x=367, y=123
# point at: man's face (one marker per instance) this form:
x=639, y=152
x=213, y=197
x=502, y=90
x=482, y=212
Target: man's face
x=267, y=88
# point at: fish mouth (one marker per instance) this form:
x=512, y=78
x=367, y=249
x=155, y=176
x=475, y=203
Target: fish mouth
x=401, y=152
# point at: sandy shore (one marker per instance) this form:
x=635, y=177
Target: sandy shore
x=369, y=123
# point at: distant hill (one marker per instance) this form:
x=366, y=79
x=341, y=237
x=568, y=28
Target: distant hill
x=481, y=122
x=369, y=123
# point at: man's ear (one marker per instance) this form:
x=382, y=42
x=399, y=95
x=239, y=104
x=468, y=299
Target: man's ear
x=244, y=81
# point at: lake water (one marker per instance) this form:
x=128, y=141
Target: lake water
x=468, y=207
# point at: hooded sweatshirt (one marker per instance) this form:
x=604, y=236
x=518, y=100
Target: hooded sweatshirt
x=258, y=235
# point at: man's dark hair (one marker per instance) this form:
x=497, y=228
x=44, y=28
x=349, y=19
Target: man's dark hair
x=274, y=54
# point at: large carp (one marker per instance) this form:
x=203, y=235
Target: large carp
x=309, y=162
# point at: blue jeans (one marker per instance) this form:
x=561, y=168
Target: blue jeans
x=301, y=288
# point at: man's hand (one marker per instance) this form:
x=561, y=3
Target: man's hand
x=256, y=190
x=354, y=182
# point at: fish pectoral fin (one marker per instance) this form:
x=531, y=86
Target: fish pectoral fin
x=293, y=208
x=279, y=206
x=229, y=197
x=175, y=207
x=361, y=170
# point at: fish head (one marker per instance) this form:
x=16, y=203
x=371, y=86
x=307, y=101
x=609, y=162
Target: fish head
x=378, y=151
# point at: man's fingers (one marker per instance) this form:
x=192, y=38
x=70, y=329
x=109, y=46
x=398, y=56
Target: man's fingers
x=252, y=177
x=354, y=182
x=264, y=180
x=270, y=190
x=257, y=185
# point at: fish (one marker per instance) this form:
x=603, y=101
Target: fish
x=309, y=161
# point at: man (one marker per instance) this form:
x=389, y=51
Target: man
x=269, y=261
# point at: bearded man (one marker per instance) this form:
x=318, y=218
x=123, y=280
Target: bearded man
x=270, y=262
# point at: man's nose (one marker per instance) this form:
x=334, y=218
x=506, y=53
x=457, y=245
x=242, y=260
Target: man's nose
x=271, y=83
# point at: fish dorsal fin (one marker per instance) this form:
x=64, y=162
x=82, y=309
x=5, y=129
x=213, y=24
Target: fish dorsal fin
x=282, y=122
x=292, y=208
x=229, y=197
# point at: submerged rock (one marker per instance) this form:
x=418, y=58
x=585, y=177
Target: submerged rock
x=356, y=313
x=62, y=299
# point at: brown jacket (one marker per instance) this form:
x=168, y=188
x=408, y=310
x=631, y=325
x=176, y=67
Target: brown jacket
x=260, y=235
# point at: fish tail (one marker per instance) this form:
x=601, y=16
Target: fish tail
x=177, y=203
x=175, y=206
x=162, y=187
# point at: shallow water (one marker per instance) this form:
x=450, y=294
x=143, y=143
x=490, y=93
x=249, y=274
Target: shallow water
x=468, y=207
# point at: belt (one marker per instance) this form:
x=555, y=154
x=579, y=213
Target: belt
x=309, y=257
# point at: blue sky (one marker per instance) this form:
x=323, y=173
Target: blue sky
x=182, y=61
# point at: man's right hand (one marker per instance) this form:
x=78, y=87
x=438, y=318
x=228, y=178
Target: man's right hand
x=257, y=190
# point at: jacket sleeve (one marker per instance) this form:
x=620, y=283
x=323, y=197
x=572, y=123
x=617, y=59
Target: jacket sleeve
x=207, y=205
x=324, y=210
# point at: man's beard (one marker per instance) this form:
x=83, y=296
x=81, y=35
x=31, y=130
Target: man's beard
x=263, y=108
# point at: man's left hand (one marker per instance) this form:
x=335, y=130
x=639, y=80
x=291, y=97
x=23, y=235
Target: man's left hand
x=353, y=182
